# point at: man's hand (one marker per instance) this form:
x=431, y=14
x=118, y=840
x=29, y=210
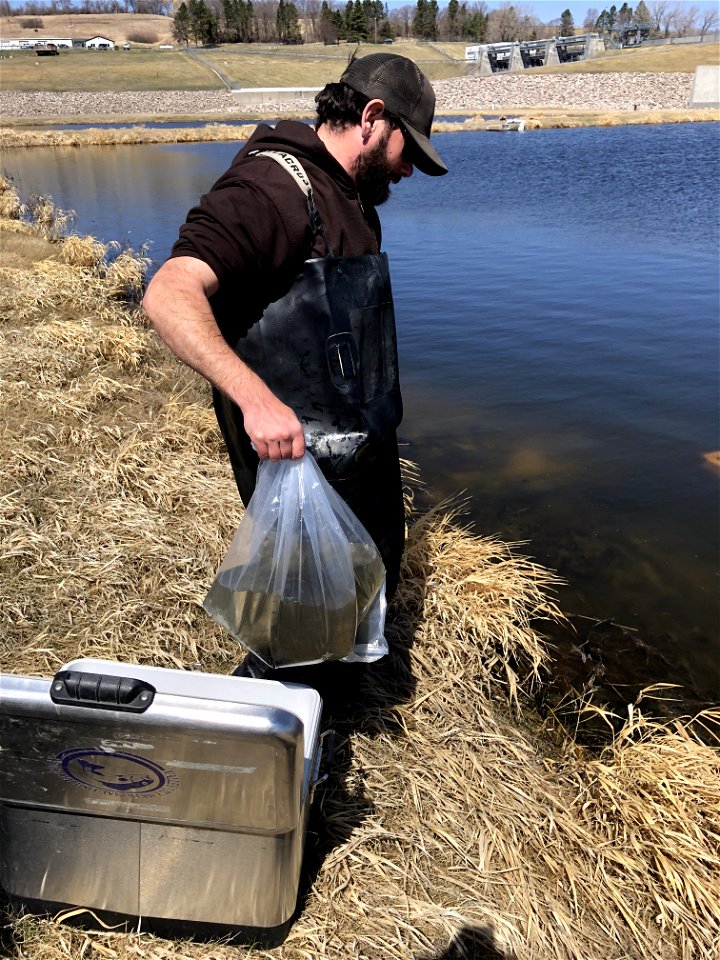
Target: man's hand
x=275, y=431
x=178, y=308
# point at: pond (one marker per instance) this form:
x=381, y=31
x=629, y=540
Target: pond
x=557, y=302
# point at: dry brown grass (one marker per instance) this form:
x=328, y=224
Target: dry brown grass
x=450, y=815
x=113, y=70
x=554, y=118
x=116, y=27
x=669, y=58
x=10, y=137
x=536, y=119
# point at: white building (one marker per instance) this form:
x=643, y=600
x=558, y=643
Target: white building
x=99, y=43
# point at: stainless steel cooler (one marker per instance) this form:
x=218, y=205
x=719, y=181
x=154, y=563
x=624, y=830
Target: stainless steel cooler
x=157, y=793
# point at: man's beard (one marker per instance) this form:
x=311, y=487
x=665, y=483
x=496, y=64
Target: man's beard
x=373, y=174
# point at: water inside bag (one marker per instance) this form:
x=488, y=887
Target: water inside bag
x=290, y=628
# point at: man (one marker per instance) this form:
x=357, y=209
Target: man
x=277, y=294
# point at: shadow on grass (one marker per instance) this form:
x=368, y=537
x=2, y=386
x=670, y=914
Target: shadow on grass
x=471, y=943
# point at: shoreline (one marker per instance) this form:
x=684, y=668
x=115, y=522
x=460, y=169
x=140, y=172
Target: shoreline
x=545, y=101
x=41, y=133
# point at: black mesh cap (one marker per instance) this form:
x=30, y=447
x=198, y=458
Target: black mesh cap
x=407, y=94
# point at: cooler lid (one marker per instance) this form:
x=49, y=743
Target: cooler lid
x=208, y=750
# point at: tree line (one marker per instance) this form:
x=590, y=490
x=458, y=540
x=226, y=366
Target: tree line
x=283, y=21
x=332, y=21
x=662, y=19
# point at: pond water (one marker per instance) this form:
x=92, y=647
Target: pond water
x=557, y=301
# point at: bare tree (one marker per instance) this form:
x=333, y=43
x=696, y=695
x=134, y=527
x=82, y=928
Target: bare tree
x=590, y=20
x=265, y=17
x=510, y=22
x=401, y=20
x=309, y=11
x=503, y=24
x=709, y=21
x=684, y=20
x=663, y=14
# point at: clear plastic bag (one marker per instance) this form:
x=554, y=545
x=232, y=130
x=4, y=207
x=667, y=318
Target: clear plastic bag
x=301, y=574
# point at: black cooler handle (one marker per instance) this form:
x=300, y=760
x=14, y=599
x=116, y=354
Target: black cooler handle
x=101, y=691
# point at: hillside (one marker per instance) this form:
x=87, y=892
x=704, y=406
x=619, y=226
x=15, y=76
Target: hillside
x=118, y=27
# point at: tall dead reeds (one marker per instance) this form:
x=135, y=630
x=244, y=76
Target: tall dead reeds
x=451, y=816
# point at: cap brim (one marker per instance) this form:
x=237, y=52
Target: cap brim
x=423, y=154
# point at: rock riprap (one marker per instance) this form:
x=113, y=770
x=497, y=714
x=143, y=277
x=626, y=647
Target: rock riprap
x=578, y=91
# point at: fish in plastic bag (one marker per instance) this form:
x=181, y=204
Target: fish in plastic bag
x=302, y=581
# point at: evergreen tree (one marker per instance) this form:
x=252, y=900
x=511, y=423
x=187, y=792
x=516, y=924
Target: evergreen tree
x=603, y=22
x=287, y=22
x=181, y=24
x=462, y=20
x=425, y=20
x=625, y=14
x=355, y=23
x=231, y=16
x=567, y=24
x=419, y=18
x=432, y=16
x=281, y=20
x=203, y=27
x=476, y=28
x=247, y=20
x=385, y=31
x=338, y=20
x=453, y=9
x=642, y=14
x=330, y=31
x=374, y=13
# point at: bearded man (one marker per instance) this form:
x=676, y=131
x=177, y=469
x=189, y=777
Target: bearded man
x=277, y=293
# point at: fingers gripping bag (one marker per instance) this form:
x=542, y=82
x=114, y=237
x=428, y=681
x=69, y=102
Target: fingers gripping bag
x=301, y=574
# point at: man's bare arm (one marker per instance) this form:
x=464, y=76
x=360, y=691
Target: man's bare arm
x=177, y=306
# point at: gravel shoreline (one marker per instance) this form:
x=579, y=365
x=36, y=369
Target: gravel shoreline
x=583, y=91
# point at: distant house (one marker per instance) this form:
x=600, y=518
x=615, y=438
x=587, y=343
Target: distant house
x=27, y=44
x=99, y=43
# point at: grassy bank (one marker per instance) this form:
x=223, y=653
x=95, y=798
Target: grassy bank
x=670, y=58
x=453, y=814
x=270, y=65
x=22, y=134
x=242, y=65
x=107, y=71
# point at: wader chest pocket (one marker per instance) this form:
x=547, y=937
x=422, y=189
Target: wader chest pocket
x=343, y=361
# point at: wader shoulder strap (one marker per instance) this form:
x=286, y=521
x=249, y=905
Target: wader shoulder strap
x=295, y=169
